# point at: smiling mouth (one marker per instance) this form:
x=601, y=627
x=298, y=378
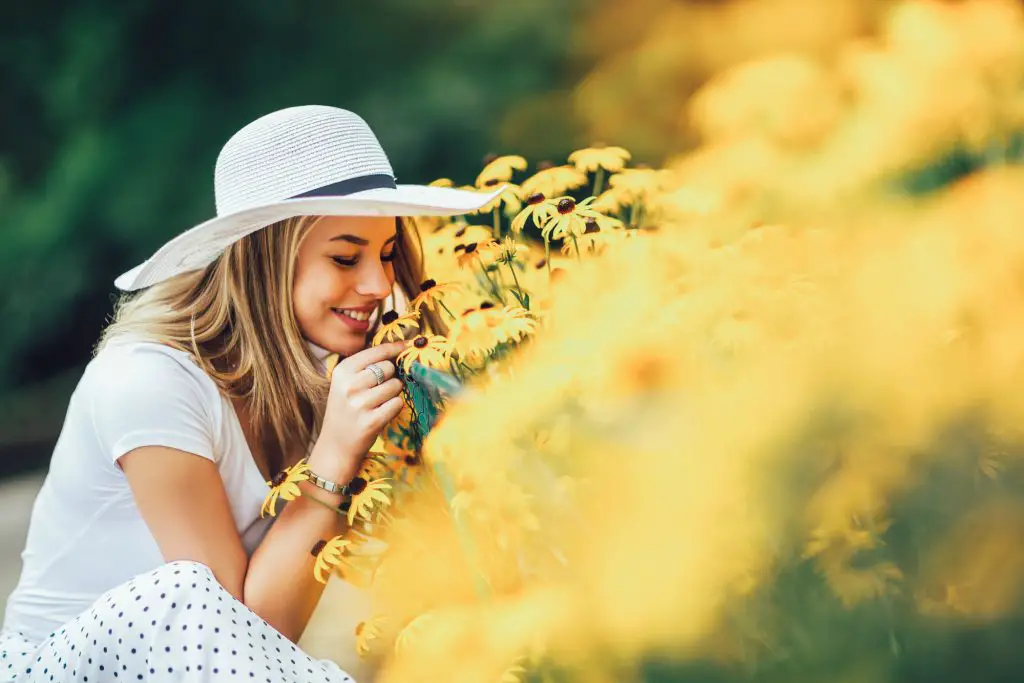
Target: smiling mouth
x=358, y=315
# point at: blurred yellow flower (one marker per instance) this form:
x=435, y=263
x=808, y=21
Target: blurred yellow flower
x=500, y=170
x=431, y=295
x=513, y=323
x=472, y=335
x=509, y=197
x=638, y=183
x=392, y=324
x=610, y=201
x=442, y=182
x=554, y=181
x=285, y=485
x=598, y=156
x=366, y=633
x=365, y=496
x=329, y=557
x=434, y=351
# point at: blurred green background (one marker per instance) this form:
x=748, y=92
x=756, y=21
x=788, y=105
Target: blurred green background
x=114, y=113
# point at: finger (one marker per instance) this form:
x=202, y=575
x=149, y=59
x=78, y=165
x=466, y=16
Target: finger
x=365, y=378
x=374, y=397
x=374, y=354
x=388, y=410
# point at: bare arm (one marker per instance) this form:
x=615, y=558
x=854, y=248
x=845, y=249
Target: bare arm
x=182, y=499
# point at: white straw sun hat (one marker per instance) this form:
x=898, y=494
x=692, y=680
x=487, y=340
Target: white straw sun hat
x=300, y=161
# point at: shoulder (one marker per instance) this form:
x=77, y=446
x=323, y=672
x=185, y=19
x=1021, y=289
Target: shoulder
x=130, y=370
x=145, y=359
x=147, y=393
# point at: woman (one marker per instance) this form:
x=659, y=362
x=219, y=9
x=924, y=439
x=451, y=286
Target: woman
x=147, y=557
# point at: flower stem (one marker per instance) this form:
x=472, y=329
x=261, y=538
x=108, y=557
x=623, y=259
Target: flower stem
x=497, y=222
x=576, y=243
x=447, y=310
x=494, y=287
x=598, y=180
x=326, y=505
x=547, y=255
x=519, y=288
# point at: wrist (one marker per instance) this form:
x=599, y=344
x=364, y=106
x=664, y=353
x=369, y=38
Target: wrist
x=327, y=462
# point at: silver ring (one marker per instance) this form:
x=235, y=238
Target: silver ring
x=377, y=372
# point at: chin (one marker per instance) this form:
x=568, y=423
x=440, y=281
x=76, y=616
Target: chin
x=346, y=345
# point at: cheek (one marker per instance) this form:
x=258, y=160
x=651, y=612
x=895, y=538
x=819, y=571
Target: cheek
x=317, y=288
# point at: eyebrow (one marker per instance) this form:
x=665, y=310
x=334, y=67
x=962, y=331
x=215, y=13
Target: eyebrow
x=359, y=241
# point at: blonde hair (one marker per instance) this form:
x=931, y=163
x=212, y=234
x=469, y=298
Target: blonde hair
x=236, y=319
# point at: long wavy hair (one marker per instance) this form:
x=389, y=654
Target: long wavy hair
x=236, y=319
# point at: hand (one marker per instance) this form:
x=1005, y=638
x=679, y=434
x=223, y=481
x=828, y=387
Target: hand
x=357, y=407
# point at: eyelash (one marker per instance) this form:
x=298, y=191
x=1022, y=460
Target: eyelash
x=348, y=263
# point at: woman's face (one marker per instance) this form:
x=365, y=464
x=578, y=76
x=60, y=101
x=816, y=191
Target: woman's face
x=344, y=270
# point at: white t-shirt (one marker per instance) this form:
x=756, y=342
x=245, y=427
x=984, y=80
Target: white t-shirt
x=86, y=535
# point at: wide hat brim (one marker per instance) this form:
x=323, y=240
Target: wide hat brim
x=199, y=246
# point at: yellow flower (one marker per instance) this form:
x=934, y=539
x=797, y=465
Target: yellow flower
x=329, y=556
x=513, y=674
x=513, y=323
x=637, y=183
x=434, y=351
x=285, y=485
x=572, y=219
x=431, y=293
x=466, y=254
x=508, y=251
x=365, y=496
x=367, y=632
x=509, y=197
x=598, y=156
x=442, y=182
x=499, y=169
x=610, y=201
x=391, y=325
x=537, y=208
x=554, y=181
x=472, y=335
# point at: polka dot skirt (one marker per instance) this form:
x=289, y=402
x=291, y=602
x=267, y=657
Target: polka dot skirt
x=175, y=623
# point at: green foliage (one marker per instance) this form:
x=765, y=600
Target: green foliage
x=115, y=113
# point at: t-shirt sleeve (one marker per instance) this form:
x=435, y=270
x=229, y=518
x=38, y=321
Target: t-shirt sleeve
x=149, y=398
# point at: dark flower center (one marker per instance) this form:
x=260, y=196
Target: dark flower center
x=592, y=226
x=468, y=311
x=489, y=158
x=356, y=486
x=545, y=165
x=566, y=206
x=411, y=460
x=389, y=317
x=471, y=247
x=535, y=198
x=317, y=547
x=458, y=248
x=485, y=305
x=492, y=182
x=540, y=264
x=420, y=343
x=427, y=285
x=460, y=232
x=279, y=478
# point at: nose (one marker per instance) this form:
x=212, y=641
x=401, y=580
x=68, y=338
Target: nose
x=374, y=279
